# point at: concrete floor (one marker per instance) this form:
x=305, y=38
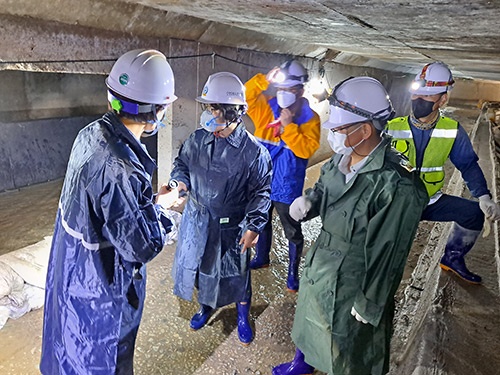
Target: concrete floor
x=458, y=329
x=165, y=344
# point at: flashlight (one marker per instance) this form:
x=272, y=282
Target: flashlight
x=173, y=184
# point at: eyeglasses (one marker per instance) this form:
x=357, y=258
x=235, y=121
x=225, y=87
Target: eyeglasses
x=335, y=130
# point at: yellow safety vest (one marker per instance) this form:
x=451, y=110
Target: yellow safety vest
x=436, y=153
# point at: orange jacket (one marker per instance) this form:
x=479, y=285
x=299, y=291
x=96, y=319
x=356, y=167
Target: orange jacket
x=289, y=151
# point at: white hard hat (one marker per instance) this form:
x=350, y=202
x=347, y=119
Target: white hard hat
x=434, y=78
x=359, y=99
x=143, y=76
x=223, y=88
x=293, y=74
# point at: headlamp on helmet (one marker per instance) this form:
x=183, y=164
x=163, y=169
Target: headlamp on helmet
x=435, y=78
x=291, y=73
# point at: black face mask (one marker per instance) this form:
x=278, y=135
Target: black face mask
x=421, y=108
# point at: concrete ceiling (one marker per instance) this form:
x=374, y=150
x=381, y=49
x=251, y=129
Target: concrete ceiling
x=389, y=34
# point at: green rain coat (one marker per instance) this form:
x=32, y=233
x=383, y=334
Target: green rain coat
x=358, y=260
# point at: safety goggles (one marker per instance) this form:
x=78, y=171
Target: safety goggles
x=335, y=130
x=211, y=107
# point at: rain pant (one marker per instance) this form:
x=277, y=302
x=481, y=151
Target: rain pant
x=229, y=182
x=291, y=150
x=368, y=225
x=107, y=227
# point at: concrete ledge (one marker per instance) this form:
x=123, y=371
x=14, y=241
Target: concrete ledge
x=445, y=325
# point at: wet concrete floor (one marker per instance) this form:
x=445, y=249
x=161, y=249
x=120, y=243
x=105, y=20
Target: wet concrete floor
x=166, y=345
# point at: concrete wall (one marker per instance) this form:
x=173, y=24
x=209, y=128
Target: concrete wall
x=36, y=151
x=476, y=91
x=41, y=113
x=33, y=96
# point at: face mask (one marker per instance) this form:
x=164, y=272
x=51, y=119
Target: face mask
x=208, y=121
x=159, y=124
x=421, y=108
x=337, y=142
x=285, y=98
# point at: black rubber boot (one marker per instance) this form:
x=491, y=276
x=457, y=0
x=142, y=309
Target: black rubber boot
x=460, y=242
x=294, y=253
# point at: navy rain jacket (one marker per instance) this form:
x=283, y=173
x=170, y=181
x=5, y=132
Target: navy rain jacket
x=107, y=227
x=229, y=180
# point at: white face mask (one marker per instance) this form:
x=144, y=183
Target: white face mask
x=285, y=98
x=208, y=121
x=337, y=142
x=159, y=124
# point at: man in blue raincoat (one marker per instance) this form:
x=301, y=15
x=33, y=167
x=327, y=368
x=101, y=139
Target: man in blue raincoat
x=228, y=175
x=108, y=226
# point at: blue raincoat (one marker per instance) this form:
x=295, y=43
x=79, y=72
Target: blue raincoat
x=229, y=182
x=107, y=227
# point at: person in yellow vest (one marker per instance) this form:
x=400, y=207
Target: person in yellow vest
x=428, y=139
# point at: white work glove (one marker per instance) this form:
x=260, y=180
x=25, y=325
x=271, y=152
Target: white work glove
x=490, y=209
x=358, y=317
x=299, y=208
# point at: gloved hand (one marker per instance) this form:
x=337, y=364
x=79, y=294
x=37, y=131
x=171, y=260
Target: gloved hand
x=358, y=317
x=299, y=208
x=490, y=209
x=171, y=194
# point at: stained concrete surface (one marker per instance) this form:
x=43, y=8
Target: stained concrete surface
x=459, y=331
x=80, y=35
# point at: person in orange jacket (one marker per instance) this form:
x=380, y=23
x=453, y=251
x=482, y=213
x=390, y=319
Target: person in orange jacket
x=287, y=126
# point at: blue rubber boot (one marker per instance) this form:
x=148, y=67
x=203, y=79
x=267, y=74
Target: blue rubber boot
x=201, y=317
x=459, y=243
x=292, y=281
x=262, y=249
x=297, y=367
x=245, y=333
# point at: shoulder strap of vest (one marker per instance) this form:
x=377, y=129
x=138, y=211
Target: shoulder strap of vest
x=447, y=123
x=398, y=123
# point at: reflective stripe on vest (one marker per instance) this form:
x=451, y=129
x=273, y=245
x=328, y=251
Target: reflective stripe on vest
x=436, y=153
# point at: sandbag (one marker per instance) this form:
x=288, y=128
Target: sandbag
x=10, y=281
x=30, y=262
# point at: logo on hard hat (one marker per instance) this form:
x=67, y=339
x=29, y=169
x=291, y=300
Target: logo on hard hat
x=123, y=79
x=234, y=93
x=205, y=91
